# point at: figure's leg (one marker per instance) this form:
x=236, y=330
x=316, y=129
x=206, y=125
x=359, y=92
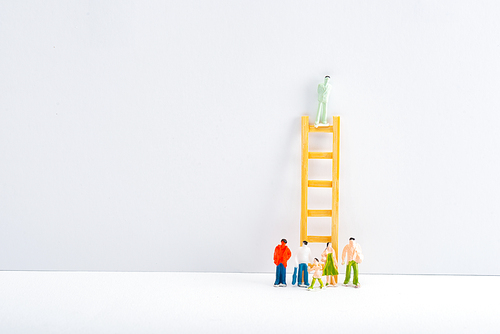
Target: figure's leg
x=347, y=273
x=283, y=274
x=355, y=278
x=299, y=279
x=318, y=114
x=294, y=277
x=306, y=275
x=312, y=284
x=323, y=113
x=320, y=283
x=277, y=281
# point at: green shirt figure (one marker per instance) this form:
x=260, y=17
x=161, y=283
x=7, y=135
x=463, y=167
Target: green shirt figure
x=323, y=93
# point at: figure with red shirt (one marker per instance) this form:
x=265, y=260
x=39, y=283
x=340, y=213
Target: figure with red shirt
x=281, y=255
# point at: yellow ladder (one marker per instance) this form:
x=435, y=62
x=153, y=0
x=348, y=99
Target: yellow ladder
x=334, y=183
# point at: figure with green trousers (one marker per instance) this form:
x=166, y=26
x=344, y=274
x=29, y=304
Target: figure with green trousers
x=354, y=257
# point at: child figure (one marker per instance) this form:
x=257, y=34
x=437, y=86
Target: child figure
x=318, y=272
x=330, y=260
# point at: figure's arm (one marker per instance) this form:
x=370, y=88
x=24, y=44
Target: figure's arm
x=335, y=259
x=325, y=96
x=359, y=253
x=326, y=92
x=344, y=252
x=323, y=256
x=288, y=254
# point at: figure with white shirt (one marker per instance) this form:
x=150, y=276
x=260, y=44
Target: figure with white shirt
x=352, y=251
x=302, y=259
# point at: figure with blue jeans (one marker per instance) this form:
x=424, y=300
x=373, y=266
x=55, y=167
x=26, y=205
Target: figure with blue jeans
x=281, y=255
x=302, y=259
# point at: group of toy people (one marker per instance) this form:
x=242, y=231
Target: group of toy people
x=327, y=267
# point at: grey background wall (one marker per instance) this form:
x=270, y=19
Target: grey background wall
x=165, y=136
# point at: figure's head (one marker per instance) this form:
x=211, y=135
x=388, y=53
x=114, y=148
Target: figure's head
x=328, y=244
x=316, y=261
x=283, y=241
x=304, y=243
x=351, y=241
x=327, y=78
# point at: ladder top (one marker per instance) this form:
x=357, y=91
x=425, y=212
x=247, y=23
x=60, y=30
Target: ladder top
x=328, y=128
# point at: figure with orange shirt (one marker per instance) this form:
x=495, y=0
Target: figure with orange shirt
x=354, y=256
x=281, y=255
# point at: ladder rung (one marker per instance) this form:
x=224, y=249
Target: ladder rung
x=319, y=213
x=319, y=238
x=321, y=128
x=320, y=183
x=320, y=155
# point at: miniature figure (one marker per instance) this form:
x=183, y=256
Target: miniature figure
x=331, y=265
x=354, y=257
x=316, y=268
x=303, y=257
x=281, y=255
x=323, y=94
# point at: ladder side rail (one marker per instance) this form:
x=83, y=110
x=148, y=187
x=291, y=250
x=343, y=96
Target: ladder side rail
x=335, y=185
x=305, y=178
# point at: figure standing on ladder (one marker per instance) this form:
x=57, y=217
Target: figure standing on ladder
x=323, y=93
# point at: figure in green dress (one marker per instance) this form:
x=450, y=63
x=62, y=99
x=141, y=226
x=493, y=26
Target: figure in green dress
x=331, y=264
x=323, y=93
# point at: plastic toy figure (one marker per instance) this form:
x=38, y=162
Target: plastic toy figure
x=303, y=257
x=354, y=257
x=316, y=268
x=294, y=276
x=281, y=255
x=331, y=265
x=323, y=94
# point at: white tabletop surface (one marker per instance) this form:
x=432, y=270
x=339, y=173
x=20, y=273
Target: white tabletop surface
x=116, y=302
